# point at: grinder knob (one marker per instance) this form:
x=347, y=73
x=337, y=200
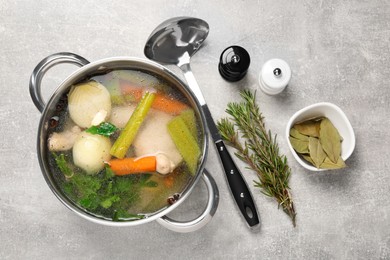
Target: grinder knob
x=234, y=63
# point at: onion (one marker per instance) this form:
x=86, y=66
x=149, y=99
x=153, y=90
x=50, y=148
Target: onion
x=86, y=100
x=91, y=151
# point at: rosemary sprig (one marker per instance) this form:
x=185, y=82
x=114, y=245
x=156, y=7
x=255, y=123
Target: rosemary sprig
x=259, y=150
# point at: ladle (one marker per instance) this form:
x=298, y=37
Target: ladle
x=174, y=42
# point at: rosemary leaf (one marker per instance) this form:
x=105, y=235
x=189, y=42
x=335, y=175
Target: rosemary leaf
x=245, y=131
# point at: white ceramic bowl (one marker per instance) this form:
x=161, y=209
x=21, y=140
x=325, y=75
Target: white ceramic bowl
x=339, y=120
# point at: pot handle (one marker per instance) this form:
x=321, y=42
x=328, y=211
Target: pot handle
x=204, y=218
x=43, y=67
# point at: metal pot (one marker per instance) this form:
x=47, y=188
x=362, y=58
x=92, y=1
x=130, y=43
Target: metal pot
x=86, y=69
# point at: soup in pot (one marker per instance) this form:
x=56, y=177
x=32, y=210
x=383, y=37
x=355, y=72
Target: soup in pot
x=123, y=144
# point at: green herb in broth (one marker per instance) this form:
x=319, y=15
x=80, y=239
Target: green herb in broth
x=104, y=129
x=63, y=165
x=145, y=181
x=103, y=191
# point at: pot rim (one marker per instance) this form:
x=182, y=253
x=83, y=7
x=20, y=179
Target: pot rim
x=132, y=62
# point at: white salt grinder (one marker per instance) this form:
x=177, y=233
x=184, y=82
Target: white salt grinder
x=274, y=76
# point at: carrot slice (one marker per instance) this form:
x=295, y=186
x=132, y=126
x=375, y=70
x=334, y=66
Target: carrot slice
x=168, y=105
x=129, y=89
x=133, y=165
x=162, y=102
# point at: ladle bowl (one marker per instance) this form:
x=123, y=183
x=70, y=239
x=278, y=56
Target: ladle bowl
x=186, y=34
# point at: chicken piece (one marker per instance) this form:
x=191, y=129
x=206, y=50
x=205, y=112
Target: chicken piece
x=63, y=141
x=153, y=138
x=163, y=164
x=120, y=115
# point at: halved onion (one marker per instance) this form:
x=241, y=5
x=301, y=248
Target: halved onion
x=86, y=100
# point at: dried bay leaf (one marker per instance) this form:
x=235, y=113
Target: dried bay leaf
x=330, y=140
x=296, y=134
x=328, y=164
x=299, y=146
x=317, y=154
x=309, y=128
x=318, y=142
x=308, y=158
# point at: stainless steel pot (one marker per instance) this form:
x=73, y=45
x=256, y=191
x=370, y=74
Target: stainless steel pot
x=86, y=69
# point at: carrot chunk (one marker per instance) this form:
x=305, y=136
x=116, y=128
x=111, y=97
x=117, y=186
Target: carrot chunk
x=133, y=165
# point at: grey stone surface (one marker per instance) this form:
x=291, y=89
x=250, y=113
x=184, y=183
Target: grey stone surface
x=338, y=51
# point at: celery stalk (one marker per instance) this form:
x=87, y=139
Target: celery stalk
x=185, y=142
x=188, y=116
x=128, y=134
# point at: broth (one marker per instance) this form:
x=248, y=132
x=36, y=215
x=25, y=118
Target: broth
x=78, y=147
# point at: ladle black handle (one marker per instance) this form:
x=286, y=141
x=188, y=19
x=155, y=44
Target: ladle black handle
x=238, y=187
x=236, y=181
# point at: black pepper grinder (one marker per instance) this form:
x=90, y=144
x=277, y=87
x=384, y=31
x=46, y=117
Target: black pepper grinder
x=234, y=63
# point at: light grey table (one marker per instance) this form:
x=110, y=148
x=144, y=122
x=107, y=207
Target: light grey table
x=338, y=51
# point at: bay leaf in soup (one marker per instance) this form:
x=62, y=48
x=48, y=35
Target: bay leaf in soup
x=330, y=140
x=296, y=134
x=317, y=154
x=300, y=146
x=310, y=128
x=328, y=164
